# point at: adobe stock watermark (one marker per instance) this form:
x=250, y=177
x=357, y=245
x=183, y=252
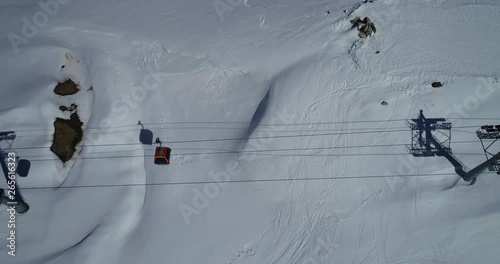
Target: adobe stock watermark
x=202, y=196
x=201, y=199
x=31, y=27
x=223, y=6
x=125, y=104
x=471, y=103
x=383, y=16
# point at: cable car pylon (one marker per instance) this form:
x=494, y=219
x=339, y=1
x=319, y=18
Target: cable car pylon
x=425, y=144
x=488, y=135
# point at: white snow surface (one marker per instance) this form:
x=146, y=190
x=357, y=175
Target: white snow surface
x=261, y=73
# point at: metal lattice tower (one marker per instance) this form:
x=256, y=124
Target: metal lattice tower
x=7, y=137
x=489, y=135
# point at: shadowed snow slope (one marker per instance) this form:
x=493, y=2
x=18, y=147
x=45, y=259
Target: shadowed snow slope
x=195, y=78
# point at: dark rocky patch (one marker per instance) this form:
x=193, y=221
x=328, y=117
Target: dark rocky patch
x=68, y=133
x=437, y=84
x=66, y=88
x=72, y=108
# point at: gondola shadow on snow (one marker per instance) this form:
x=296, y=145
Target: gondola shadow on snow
x=145, y=136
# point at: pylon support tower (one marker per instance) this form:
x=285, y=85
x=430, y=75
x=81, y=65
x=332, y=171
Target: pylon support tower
x=489, y=136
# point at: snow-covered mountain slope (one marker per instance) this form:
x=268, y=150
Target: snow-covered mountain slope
x=279, y=98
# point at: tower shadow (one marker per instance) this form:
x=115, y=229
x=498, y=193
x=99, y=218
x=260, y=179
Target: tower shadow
x=425, y=144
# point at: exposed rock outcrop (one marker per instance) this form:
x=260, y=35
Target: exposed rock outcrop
x=365, y=27
x=66, y=88
x=68, y=133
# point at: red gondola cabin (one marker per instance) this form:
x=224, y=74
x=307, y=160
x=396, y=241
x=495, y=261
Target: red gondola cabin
x=162, y=155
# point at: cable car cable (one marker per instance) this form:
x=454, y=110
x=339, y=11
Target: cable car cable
x=242, y=181
x=222, y=151
x=235, y=139
x=275, y=124
x=257, y=154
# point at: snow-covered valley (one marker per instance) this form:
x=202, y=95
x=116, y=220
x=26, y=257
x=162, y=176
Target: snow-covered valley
x=282, y=150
